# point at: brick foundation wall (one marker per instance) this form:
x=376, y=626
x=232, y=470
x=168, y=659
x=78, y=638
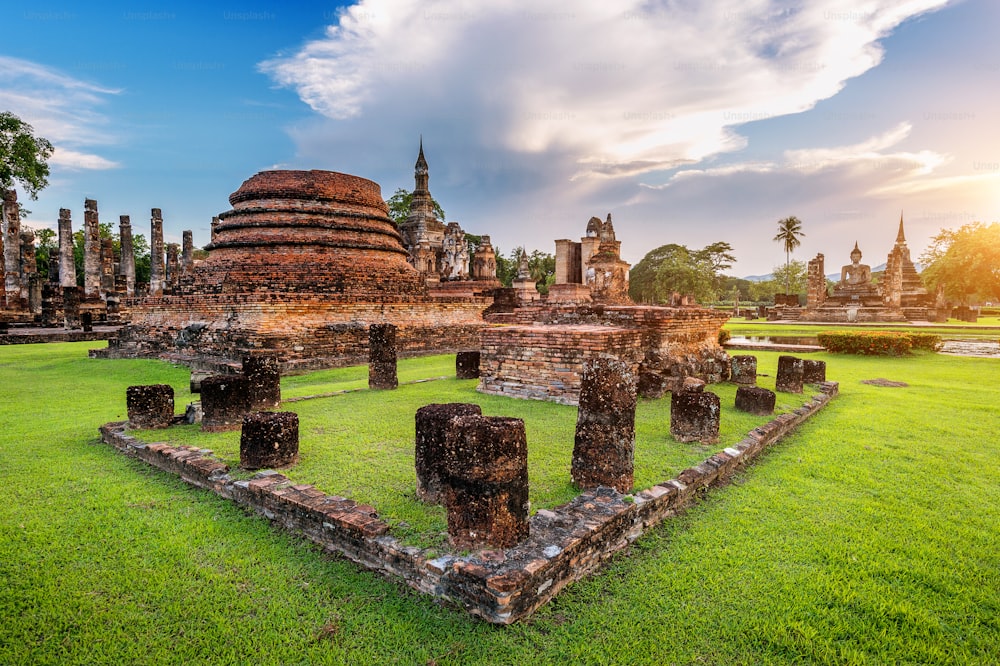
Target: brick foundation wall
x=307, y=331
x=538, y=351
x=546, y=362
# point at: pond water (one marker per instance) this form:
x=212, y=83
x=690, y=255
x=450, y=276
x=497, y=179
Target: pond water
x=966, y=347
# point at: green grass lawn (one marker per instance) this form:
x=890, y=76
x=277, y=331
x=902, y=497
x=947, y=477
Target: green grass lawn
x=985, y=328
x=360, y=444
x=872, y=535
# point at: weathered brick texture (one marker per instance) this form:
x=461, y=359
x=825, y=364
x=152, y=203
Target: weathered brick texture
x=150, y=405
x=604, y=444
x=269, y=439
x=432, y=423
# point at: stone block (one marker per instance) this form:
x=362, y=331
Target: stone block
x=150, y=406
x=694, y=417
x=196, y=378
x=744, y=370
x=813, y=372
x=790, y=371
x=467, y=365
x=224, y=402
x=264, y=377
x=269, y=439
x=432, y=424
x=486, y=483
x=755, y=400
x=604, y=445
x=382, y=357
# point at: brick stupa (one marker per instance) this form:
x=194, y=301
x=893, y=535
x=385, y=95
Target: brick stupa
x=303, y=263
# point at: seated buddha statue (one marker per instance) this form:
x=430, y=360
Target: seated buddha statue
x=855, y=273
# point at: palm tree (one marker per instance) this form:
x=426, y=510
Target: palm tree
x=789, y=232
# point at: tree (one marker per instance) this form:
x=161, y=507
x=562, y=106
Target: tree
x=966, y=262
x=23, y=156
x=793, y=275
x=675, y=268
x=46, y=245
x=789, y=232
x=542, y=267
x=399, y=206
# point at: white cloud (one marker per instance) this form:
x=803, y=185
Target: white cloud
x=619, y=89
x=895, y=168
x=60, y=108
x=72, y=159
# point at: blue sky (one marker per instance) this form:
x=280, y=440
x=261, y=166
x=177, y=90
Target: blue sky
x=689, y=122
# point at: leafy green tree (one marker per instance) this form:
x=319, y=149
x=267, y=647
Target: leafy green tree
x=140, y=248
x=966, y=261
x=542, y=267
x=143, y=261
x=675, y=268
x=46, y=245
x=739, y=285
x=399, y=206
x=789, y=233
x=23, y=156
x=792, y=277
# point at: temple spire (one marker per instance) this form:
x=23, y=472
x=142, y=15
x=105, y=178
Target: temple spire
x=420, y=170
x=900, y=238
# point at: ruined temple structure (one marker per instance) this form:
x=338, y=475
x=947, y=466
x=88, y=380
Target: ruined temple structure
x=439, y=251
x=591, y=270
x=899, y=297
x=302, y=265
x=51, y=297
x=541, y=351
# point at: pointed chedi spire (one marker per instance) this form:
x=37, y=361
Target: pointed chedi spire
x=900, y=238
x=420, y=169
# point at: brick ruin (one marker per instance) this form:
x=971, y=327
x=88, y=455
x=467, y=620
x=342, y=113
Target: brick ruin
x=540, y=350
x=53, y=299
x=515, y=562
x=899, y=297
x=591, y=270
x=302, y=265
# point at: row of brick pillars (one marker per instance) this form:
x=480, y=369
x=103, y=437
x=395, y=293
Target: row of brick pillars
x=267, y=439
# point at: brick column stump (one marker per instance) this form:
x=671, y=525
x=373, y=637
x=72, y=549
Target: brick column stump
x=224, y=402
x=694, y=416
x=486, y=483
x=604, y=445
x=467, y=365
x=755, y=400
x=744, y=370
x=789, y=379
x=813, y=372
x=382, y=357
x=269, y=439
x=262, y=372
x=150, y=406
x=432, y=424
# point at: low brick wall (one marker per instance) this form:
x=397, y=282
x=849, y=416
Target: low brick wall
x=565, y=544
x=538, y=351
x=546, y=362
